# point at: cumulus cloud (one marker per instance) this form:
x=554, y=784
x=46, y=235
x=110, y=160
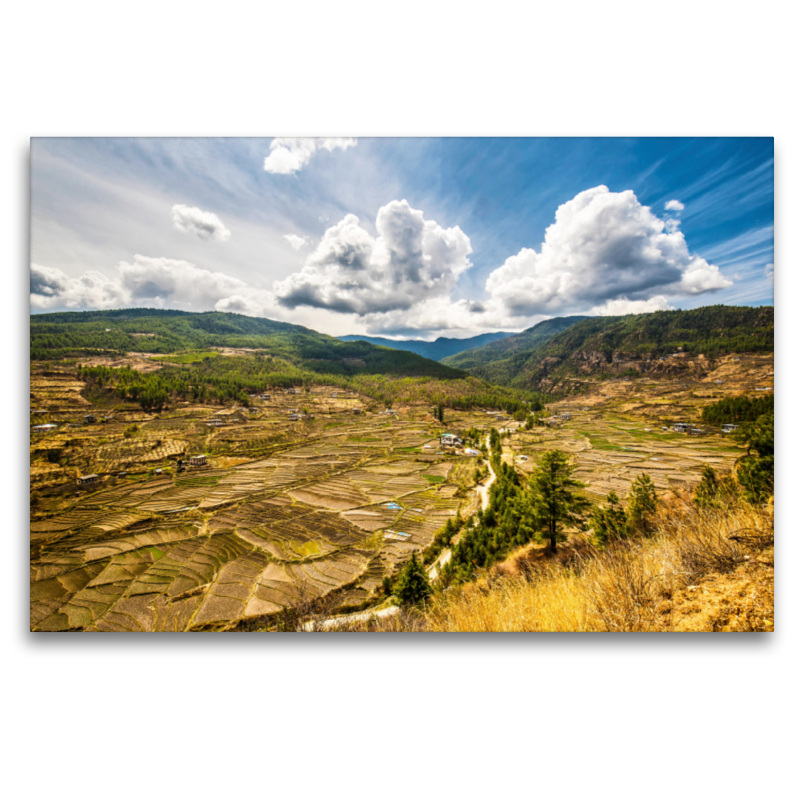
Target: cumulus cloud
x=145, y=282
x=288, y=155
x=296, y=241
x=202, y=224
x=674, y=205
x=602, y=246
x=52, y=288
x=412, y=259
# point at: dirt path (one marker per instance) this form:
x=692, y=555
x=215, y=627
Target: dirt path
x=332, y=623
x=483, y=493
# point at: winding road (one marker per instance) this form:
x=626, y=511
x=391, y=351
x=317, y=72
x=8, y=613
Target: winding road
x=483, y=494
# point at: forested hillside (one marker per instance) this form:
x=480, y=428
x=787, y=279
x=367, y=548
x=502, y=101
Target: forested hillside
x=267, y=354
x=156, y=331
x=601, y=344
x=525, y=341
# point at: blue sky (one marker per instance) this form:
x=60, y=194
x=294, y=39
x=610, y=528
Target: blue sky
x=402, y=237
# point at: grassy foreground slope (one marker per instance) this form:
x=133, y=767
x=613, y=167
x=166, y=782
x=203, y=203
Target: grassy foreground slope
x=526, y=341
x=634, y=342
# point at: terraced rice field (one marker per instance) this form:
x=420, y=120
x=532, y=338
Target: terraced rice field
x=242, y=538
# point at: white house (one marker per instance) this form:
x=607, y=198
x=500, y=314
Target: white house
x=197, y=461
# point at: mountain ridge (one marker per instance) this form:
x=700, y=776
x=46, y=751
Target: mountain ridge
x=436, y=350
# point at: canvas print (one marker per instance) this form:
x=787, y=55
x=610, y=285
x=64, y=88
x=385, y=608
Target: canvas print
x=401, y=384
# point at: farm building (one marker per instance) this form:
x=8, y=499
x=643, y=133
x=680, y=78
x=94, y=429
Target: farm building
x=215, y=422
x=89, y=418
x=197, y=461
x=729, y=428
x=45, y=428
x=85, y=479
x=449, y=440
x=294, y=417
x=265, y=397
x=468, y=451
x=39, y=411
x=696, y=432
x=565, y=415
x=681, y=427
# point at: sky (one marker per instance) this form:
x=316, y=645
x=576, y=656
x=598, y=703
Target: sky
x=402, y=237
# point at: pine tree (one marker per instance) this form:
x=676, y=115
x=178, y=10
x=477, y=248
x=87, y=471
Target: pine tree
x=707, y=491
x=756, y=471
x=554, y=499
x=610, y=522
x=642, y=505
x=412, y=586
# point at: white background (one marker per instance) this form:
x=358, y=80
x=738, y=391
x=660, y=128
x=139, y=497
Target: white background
x=407, y=716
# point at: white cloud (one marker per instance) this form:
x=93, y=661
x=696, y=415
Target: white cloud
x=769, y=271
x=296, y=241
x=674, y=205
x=622, y=306
x=52, y=288
x=161, y=282
x=168, y=279
x=288, y=155
x=411, y=260
x=602, y=246
x=202, y=224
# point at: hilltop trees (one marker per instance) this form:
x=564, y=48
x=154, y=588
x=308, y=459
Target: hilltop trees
x=555, y=501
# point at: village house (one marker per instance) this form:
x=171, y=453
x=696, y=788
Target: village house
x=681, y=427
x=449, y=440
x=696, y=432
x=197, y=461
x=89, y=418
x=729, y=428
x=86, y=479
x=294, y=417
x=565, y=415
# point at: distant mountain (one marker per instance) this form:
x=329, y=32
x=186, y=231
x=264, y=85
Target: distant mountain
x=636, y=342
x=436, y=350
x=527, y=340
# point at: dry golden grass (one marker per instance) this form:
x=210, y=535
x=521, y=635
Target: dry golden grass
x=701, y=570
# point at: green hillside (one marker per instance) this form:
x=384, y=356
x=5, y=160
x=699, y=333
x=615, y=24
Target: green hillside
x=597, y=344
x=271, y=354
x=526, y=341
x=170, y=332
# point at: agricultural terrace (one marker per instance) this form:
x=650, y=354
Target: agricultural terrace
x=620, y=428
x=284, y=511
